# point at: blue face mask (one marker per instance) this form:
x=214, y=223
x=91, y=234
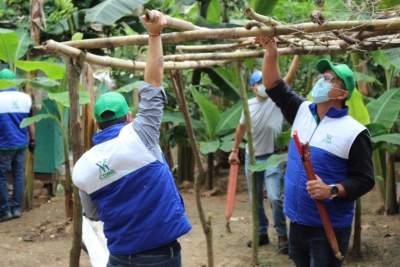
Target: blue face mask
x=320, y=91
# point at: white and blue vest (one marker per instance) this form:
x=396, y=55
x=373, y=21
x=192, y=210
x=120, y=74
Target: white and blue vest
x=14, y=107
x=330, y=142
x=136, y=195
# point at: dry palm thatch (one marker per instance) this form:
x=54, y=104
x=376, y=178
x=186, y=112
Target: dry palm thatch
x=318, y=37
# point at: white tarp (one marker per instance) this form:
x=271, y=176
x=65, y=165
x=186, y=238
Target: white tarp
x=95, y=242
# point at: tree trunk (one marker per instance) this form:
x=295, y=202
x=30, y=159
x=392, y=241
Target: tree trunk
x=360, y=67
x=27, y=201
x=74, y=69
x=254, y=206
x=357, y=229
x=177, y=84
x=165, y=147
x=210, y=171
x=391, y=206
x=69, y=211
x=88, y=120
x=185, y=163
x=378, y=160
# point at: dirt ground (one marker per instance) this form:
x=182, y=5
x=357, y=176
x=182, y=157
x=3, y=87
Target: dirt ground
x=42, y=237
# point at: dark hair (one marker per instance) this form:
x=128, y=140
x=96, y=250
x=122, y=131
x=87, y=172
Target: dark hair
x=108, y=114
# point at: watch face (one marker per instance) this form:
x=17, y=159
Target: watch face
x=334, y=190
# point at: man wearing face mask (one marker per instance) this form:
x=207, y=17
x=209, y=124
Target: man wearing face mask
x=341, y=154
x=266, y=121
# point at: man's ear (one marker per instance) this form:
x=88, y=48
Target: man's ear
x=129, y=117
x=97, y=125
x=343, y=95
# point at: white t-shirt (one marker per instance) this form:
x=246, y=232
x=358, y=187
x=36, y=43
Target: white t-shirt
x=266, y=120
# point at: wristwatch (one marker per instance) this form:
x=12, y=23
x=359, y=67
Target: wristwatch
x=334, y=190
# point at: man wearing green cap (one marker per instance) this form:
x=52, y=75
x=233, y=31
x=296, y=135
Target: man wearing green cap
x=14, y=107
x=124, y=180
x=341, y=154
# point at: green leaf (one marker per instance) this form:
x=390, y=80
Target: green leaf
x=358, y=76
x=23, y=44
x=77, y=36
x=379, y=178
x=53, y=71
x=8, y=46
x=380, y=58
x=63, y=98
x=385, y=109
x=357, y=108
x=230, y=118
x=213, y=12
x=283, y=139
x=229, y=137
x=388, y=138
x=27, y=121
x=223, y=83
x=5, y=84
x=272, y=162
x=338, y=9
x=226, y=146
x=175, y=117
x=376, y=129
x=210, y=112
x=41, y=83
x=110, y=11
x=129, y=87
x=263, y=7
x=209, y=147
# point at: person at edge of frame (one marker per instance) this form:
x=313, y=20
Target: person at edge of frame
x=341, y=154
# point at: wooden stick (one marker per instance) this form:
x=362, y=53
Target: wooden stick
x=174, y=23
x=234, y=33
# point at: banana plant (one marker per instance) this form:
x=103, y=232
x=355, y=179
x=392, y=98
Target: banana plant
x=384, y=111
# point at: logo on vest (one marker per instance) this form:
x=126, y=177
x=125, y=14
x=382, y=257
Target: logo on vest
x=104, y=170
x=328, y=139
x=14, y=105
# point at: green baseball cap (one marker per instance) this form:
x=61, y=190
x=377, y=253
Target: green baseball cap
x=111, y=101
x=342, y=71
x=7, y=74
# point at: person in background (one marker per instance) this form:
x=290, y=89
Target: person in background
x=14, y=107
x=124, y=179
x=266, y=120
x=341, y=154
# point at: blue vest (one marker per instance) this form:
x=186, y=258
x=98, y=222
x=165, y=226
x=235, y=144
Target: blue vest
x=330, y=142
x=14, y=107
x=136, y=195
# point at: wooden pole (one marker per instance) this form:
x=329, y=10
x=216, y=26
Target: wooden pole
x=250, y=142
x=177, y=84
x=235, y=33
x=74, y=69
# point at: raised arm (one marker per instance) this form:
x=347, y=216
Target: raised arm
x=270, y=67
x=292, y=70
x=154, y=69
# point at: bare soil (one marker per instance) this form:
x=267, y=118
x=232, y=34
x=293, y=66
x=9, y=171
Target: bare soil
x=42, y=237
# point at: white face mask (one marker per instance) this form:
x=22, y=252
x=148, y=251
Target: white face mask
x=261, y=90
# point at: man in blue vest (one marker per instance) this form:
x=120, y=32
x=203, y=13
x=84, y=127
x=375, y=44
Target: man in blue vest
x=14, y=107
x=124, y=179
x=341, y=154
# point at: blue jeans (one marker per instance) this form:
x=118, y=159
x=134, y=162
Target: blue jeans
x=309, y=246
x=15, y=159
x=272, y=178
x=166, y=256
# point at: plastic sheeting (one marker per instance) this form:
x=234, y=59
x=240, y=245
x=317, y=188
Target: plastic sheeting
x=95, y=242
